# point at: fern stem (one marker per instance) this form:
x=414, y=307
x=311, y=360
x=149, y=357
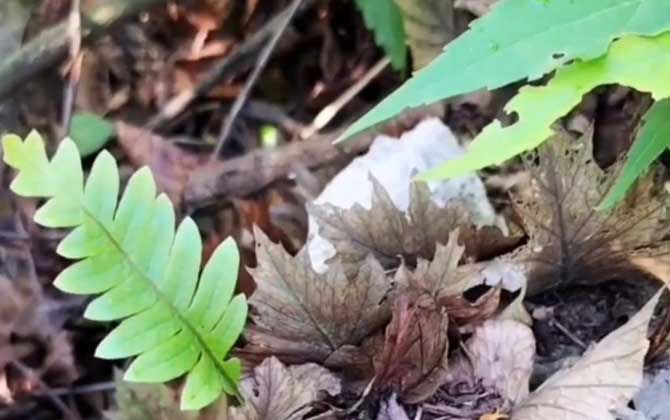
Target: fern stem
x=168, y=303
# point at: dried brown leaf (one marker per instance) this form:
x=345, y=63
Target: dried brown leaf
x=392, y=236
x=429, y=25
x=447, y=282
x=31, y=327
x=571, y=241
x=469, y=314
x=170, y=165
x=601, y=382
x=301, y=315
x=502, y=354
x=413, y=361
x=438, y=275
x=275, y=392
x=516, y=311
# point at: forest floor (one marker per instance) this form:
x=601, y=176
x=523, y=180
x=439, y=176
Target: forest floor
x=253, y=159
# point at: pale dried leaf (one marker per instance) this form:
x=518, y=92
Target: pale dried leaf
x=654, y=260
x=301, y=315
x=390, y=409
x=5, y=393
x=467, y=314
x=502, y=354
x=516, y=311
x=275, y=392
x=602, y=381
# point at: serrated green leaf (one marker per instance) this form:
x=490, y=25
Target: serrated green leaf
x=28, y=154
x=90, y=132
x=521, y=39
x=383, y=18
x=653, y=139
x=638, y=62
x=174, y=320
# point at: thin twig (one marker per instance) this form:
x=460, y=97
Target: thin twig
x=227, y=126
x=55, y=400
x=330, y=111
x=82, y=389
x=74, y=32
x=562, y=328
x=241, y=57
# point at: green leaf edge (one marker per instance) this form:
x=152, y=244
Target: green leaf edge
x=657, y=11
x=496, y=144
x=390, y=38
x=652, y=140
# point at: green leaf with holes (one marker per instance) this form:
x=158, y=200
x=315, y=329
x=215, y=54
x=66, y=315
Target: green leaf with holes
x=517, y=40
x=638, y=62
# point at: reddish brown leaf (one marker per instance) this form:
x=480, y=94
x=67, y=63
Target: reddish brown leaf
x=171, y=166
x=443, y=279
x=470, y=314
x=413, y=360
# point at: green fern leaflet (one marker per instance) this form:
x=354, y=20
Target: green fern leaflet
x=175, y=321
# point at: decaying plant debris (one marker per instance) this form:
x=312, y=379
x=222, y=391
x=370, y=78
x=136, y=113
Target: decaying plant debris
x=420, y=314
x=431, y=334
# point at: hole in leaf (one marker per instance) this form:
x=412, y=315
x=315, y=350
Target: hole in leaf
x=509, y=119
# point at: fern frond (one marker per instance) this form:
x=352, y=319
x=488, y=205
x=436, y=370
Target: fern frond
x=175, y=321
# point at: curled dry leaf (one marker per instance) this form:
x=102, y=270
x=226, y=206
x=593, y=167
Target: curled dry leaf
x=502, y=353
x=489, y=374
x=601, y=382
x=447, y=282
x=571, y=241
x=277, y=392
x=392, y=236
x=413, y=361
x=170, y=165
x=467, y=314
x=302, y=316
x=439, y=275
